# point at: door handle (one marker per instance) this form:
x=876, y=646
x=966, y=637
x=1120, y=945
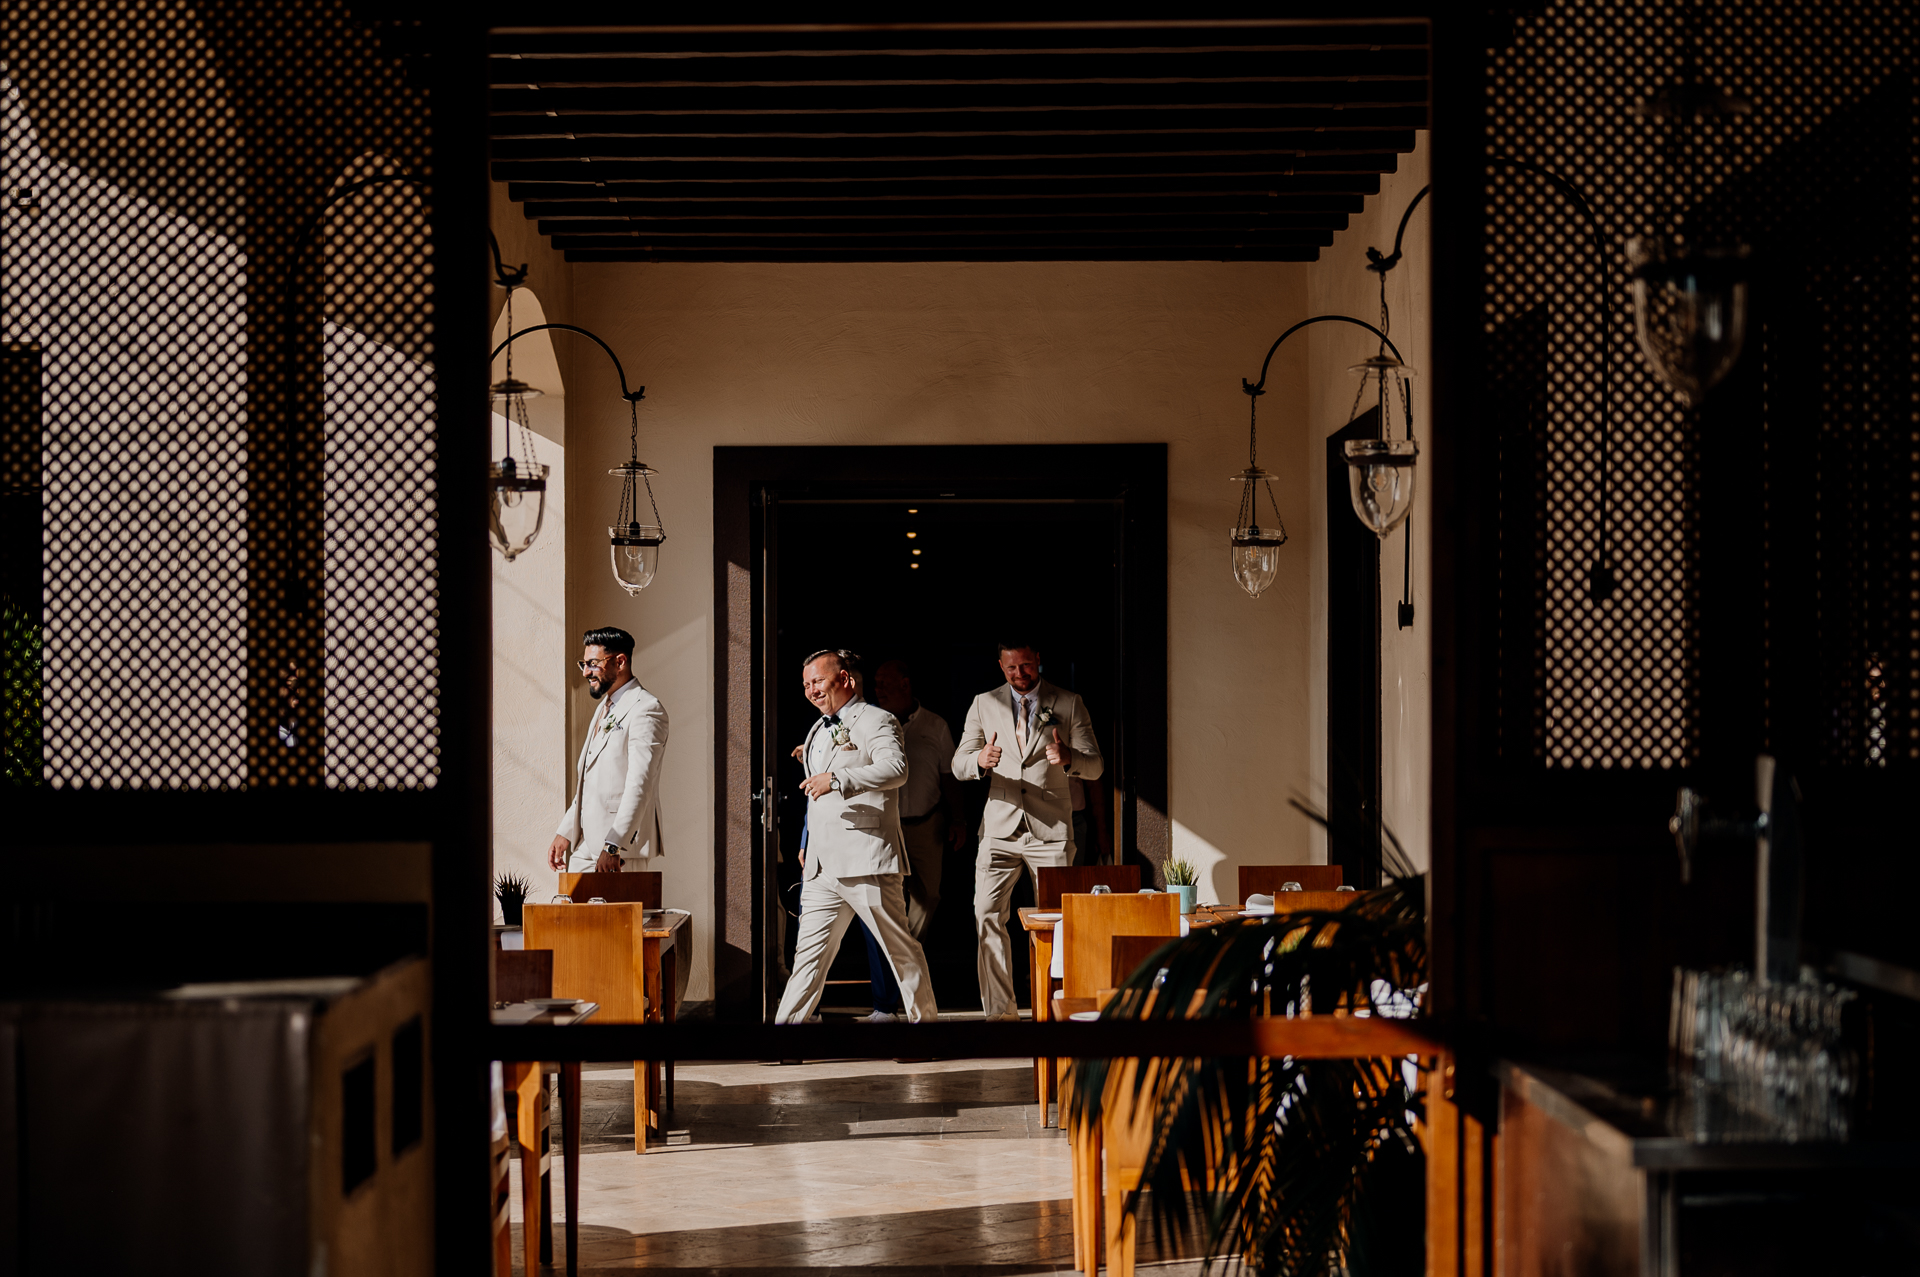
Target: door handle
x=769, y=808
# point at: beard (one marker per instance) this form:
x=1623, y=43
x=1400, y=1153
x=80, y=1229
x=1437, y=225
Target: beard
x=596, y=689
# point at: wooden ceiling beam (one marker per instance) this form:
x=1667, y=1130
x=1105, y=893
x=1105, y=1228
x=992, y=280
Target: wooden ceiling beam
x=1000, y=253
x=923, y=147
x=1154, y=122
x=908, y=41
x=952, y=169
x=524, y=99
x=960, y=71
x=1241, y=203
x=1228, y=237
x=880, y=188
x=1290, y=228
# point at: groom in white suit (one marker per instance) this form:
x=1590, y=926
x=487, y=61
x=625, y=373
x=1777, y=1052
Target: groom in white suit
x=855, y=862
x=614, y=816
x=1029, y=738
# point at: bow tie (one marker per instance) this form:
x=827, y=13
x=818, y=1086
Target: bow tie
x=833, y=720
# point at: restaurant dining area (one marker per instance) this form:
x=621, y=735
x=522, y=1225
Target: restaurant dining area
x=975, y=645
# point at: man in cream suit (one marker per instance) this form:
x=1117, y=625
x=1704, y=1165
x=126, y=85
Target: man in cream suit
x=1029, y=738
x=615, y=814
x=855, y=862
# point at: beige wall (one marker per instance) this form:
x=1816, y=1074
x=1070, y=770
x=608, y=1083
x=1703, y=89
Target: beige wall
x=987, y=354
x=1003, y=354
x=1339, y=283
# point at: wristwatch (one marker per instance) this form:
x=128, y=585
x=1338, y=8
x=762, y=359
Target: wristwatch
x=611, y=849
x=834, y=784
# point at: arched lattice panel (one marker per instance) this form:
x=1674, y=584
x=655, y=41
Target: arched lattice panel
x=220, y=408
x=1819, y=178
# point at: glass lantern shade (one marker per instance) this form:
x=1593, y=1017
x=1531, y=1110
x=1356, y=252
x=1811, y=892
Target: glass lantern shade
x=1380, y=481
x=1255, y=549
x=636, y=554
x=1256, y=557
x=517, y=505
x=635, y=545
x=1689, y=311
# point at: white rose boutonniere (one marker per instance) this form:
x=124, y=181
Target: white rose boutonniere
x=1046, y=717
x=840, y=735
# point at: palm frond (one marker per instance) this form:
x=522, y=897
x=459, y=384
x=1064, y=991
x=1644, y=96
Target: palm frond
x=1279, y=1160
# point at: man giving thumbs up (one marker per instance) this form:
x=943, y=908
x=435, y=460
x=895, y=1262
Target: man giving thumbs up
x=1028, y=822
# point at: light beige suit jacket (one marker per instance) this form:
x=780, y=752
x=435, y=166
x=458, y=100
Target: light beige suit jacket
x=855, y=830
x=1025, y=784
x=617, y=795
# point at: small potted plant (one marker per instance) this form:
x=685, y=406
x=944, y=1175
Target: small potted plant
x=1184, y=880
x=511, y=891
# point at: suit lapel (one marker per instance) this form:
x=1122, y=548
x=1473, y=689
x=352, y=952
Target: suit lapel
x=597, y=735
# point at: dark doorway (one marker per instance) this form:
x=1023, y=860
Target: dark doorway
x=812, y=551
x=1353, y=671
x=930, y=596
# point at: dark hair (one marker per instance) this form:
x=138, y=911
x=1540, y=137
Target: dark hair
x=849, y=661
x=614, y=640
x=1015, y=644
x=896, y=663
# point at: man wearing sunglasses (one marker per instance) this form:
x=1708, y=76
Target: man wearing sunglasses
x=615, y=814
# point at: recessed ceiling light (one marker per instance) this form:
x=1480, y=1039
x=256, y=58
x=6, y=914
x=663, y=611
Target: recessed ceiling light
x=912, y=510
x=916, y=552
x=913, y=565
x=912, y=535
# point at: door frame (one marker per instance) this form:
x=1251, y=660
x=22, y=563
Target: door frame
x=744, y=478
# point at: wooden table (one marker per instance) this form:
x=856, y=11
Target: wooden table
x=625, y=957
x=526, y=1081
x=1040, y=965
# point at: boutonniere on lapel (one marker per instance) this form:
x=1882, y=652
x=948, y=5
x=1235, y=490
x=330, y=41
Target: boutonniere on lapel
x=1046, y=717
x=607, y=724
x=840, y=735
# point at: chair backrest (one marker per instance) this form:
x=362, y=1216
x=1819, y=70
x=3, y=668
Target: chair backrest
x=520, y=975
x=1295, y=901
x=598, y=954
x=1129, y=953
x=1055, y=883
x=640, y=888
x=1265, y=880
x=1090, y=924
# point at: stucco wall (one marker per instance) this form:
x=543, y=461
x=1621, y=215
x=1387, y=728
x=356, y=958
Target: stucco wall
x=962, y=353
x=1339, y=283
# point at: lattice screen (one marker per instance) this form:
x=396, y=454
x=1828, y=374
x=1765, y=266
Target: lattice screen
x=1617, y=684
x=236, y=412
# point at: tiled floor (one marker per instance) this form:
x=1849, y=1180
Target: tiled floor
x=938, y=1166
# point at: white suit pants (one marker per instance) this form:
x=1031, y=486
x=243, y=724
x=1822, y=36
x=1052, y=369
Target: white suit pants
x=996, y=870
x=828, y=906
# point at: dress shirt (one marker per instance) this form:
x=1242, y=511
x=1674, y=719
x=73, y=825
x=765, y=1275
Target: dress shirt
x=929, y=757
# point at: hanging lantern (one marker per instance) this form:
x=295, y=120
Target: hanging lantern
x=1255, y=548
x=517, y=487
x=1380, y=471
x=1689, y=311
x=1689, y=288
x=517, y=502
x=635, y=545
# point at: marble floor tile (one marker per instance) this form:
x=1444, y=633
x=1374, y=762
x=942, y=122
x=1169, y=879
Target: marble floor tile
x=941, y=1168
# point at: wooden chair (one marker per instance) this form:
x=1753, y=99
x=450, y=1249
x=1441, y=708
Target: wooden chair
x=1051, y=884
x=1129, y=952
x=639, y=888
x=1091, y=924
x=1265, y=880
x=599, y=955
x=521, y=975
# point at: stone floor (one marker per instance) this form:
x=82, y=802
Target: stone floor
x=939, y=1167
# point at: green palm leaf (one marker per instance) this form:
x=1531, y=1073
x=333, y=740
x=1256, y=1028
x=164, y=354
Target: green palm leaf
x=1301, y=1167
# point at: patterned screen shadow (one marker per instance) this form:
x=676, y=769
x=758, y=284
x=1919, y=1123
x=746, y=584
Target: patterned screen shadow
x=1775, y=526
x=220, y=399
